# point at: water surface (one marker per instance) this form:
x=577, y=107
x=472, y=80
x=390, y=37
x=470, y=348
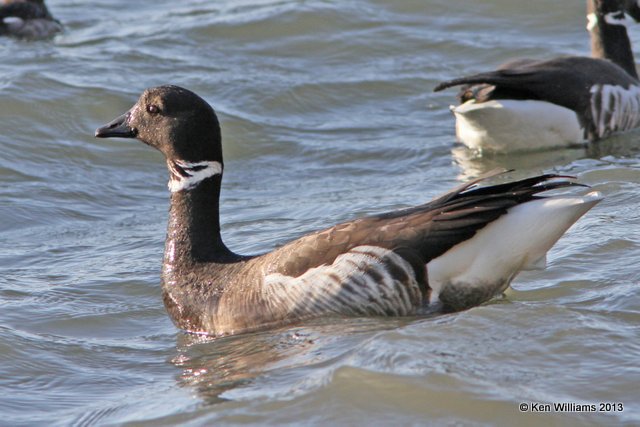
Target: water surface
x=327, y=114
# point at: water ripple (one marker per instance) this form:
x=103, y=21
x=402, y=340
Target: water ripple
x=327, y=114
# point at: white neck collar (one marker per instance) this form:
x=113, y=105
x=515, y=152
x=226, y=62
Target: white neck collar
x=186, y=175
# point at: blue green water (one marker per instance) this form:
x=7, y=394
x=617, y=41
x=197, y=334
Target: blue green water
x=327, y=114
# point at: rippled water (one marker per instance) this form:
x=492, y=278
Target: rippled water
x=327, y=114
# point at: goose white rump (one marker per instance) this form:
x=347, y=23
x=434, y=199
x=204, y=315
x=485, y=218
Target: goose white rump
x=485, y=264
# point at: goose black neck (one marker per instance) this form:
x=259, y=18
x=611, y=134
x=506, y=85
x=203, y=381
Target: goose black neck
x=610, y=41
x=193, y=230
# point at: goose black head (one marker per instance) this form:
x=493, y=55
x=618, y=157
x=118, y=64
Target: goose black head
x=174, y=120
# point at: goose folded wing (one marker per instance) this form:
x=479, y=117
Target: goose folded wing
x=418, y=234
x=562, y=81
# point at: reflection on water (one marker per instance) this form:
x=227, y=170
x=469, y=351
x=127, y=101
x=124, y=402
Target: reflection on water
x=220, y=369
x=213, y=366
x=361, y=367
x=620, y=146
x=473, y=163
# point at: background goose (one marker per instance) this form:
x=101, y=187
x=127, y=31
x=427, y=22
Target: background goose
x=457, y=251
x=29, y=19
x=532, y=104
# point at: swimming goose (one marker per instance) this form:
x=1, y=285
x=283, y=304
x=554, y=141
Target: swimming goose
x=452, y=253
x=28, y=19
x=535, y=104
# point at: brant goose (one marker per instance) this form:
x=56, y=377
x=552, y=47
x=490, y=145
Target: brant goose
x=535, y=104
x=28, y=19
x=450, y=254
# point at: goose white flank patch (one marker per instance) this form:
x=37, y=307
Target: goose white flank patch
x=532, y=104
x=27, y=19
x=455, y=252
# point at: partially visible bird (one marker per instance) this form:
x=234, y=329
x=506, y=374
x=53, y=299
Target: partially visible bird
x=27, y=19
x=529, y=104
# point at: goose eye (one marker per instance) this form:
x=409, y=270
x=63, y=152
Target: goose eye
x=153, y=109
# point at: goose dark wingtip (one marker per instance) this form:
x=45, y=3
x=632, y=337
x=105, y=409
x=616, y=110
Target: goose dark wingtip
x=482, y=177
x=441, y=86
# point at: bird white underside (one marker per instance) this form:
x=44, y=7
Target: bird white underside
x=516, y=125
x=359, y=282
x=516, y=241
